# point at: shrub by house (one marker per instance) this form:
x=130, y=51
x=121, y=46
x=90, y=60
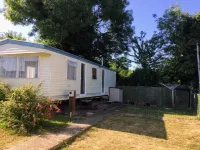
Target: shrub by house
x=26, y=108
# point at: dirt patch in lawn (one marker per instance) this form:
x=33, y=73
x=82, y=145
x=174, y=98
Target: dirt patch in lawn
x=121, y=132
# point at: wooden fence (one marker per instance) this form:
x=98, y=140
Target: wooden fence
x=161, y=96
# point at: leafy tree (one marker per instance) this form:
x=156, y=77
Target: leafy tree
x=12, y=35
x=145, y=77
x=180, y=33
x=91, y=29
x=121, y=66
x=147, y=53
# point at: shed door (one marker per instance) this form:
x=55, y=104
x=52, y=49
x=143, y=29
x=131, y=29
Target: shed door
x=82, y=78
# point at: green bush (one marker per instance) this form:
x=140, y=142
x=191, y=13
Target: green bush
x=4, y=90
x=26, y=108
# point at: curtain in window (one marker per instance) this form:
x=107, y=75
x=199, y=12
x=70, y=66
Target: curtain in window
x=71, y=70
x=28, y=67
x=8, y=66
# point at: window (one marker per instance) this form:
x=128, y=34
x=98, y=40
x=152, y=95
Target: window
x=71, y=70
x=8, y=66
x=28, y=67
x=94, y=73
x=18, y=67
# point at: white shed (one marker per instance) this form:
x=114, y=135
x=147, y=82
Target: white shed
x=59, y=72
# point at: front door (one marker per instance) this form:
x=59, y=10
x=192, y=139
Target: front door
x=82, y=78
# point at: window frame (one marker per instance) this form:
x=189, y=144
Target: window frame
x=94, y=77
x=68, y=64
x=18, y=67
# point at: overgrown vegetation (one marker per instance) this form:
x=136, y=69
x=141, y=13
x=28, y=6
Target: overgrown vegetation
x=26, y=108
x=4, y=91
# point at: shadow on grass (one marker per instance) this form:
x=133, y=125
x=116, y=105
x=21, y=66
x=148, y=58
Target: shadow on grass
x=146, y=121
x=57, y=123
x=156, y=111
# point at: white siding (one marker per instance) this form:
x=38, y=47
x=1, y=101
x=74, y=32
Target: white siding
x=53, y=74
x=43, y=65
x=45, y=73
x=93, y=86
x=9, y=49
x=44, y=76
x=60, y=85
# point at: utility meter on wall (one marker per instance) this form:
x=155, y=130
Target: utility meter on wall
x=71, y=94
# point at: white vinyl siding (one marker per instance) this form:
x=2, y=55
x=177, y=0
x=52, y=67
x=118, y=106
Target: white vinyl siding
x=61, y=85
x=52, y=73
x=44, y=66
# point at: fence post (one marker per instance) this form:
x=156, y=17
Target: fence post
x=198, y=106
x=161, y=95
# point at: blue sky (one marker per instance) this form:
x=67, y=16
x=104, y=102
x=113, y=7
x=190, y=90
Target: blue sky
x=144, y=9
x=142, y=13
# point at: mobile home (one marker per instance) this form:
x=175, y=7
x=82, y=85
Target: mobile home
x=59, y=72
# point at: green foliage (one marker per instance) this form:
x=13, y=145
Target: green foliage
x=145, y=77
x=91, y=29
x=146, y=53
x=12, y=35
x=120, y=65
x=26, y=109
x=180, y=32
x=4, y=90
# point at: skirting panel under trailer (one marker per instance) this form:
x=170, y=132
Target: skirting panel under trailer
x=66, y=97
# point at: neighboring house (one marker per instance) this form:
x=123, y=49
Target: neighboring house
x=60, y=72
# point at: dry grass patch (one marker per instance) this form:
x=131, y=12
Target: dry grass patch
x=8, y=139
x=121, y=132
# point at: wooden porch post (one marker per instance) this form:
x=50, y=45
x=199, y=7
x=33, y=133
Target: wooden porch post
x=72, y=103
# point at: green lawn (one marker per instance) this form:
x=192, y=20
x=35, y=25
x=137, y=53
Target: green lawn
x=142, y=128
